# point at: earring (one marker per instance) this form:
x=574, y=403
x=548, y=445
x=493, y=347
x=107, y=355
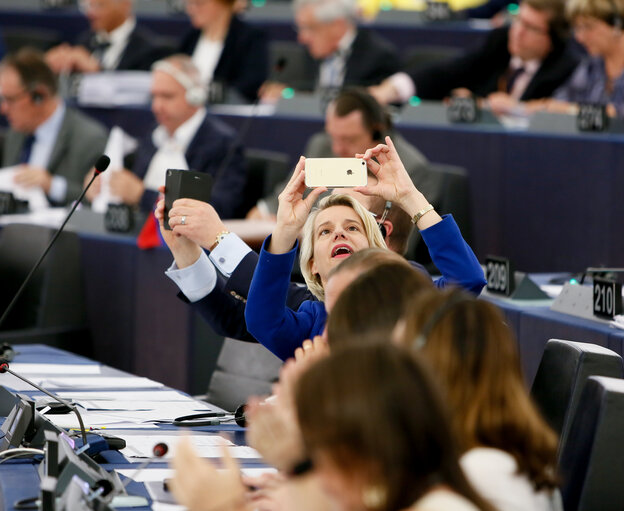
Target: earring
x=374, y=497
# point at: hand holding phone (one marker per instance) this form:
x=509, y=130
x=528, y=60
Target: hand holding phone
x=185, y=184
x=335, y=172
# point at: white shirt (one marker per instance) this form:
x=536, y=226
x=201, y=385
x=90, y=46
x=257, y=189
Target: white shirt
x=206, y=57
x=171, y=150
x=118, y=40
x=46, y=135
x=494, y=474
x=524, y=78
x=333, y=68
x=199, y=279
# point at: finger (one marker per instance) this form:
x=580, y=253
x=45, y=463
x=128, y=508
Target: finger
x=366, y=190
x=228, y=461
x=307, y=345
x=373, y=166
x=313, y=196
x=298, y=168
x=190, y=203
x=162, y=189
x=299, y=354
x=187, y=211
x=390, y=144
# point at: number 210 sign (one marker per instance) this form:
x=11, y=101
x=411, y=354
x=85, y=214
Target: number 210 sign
x=607, y=298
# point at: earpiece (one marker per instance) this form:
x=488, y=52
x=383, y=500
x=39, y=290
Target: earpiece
x=196, y=94
x=37, y=96
x=384, y=215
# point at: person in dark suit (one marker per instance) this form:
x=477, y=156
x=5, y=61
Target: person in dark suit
x=114, y=42
x=54, y=145
x=186, y=137
x=525, y=61
x=340, y=53
x=226, y=50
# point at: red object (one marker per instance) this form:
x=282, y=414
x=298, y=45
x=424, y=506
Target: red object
x=149, y=237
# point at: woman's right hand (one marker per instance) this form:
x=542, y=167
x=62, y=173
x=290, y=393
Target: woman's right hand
x=293, y=210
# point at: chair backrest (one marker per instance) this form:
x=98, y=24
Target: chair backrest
x=291, y=64
x=40, y=38
x=243, y=369
x=592, y=459
x=562, y=375
x=265, y=170
x=54, y=297
x=453, y=196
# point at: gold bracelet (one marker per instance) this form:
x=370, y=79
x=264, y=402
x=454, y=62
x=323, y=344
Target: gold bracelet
x=219, y=238
x=422, y=213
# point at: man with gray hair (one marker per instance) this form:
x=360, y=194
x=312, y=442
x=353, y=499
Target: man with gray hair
x=187, y=137
x=341, y=53
x=114, y=41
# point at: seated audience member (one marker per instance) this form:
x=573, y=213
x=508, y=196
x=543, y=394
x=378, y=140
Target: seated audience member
x=54, y=144
x=226, y=49
x=114, y=42
x=509, y=453
x=599, y=78
x=187, y=136
x=525, y=61
x=354, y=121
x=343, y=54
x=336, y=229
x=371, y=427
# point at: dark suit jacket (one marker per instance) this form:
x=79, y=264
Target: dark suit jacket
x=244, y=61
x=80, y=142
x=481, y=70
x=142, y=50
x=205, y=153
x=372, y=59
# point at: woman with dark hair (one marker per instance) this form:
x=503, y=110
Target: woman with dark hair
x=225, y=49
x=509, y=453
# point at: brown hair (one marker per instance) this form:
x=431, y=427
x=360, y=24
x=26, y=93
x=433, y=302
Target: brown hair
x=608, y=11
x=30, y=65
x=557, y=22
x=358, y=99
x=402, y=225
x=369, y=308
x=376, y=413
x=473, y=353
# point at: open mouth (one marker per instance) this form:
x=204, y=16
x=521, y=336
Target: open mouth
x=341, y=251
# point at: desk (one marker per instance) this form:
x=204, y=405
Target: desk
x=20, y=479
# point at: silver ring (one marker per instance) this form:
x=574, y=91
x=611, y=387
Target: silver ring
x=183, y=222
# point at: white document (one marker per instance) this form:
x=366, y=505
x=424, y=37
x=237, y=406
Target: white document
x=65, y=369
x=152, y=475
x=127, y=395
x=37, y=200
x=98, y=382
x=96, y=420
x=119, y=144
x=115, y=88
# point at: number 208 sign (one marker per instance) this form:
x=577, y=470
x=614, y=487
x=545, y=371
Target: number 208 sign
x=607, y=298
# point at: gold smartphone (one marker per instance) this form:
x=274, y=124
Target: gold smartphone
x=335, y=172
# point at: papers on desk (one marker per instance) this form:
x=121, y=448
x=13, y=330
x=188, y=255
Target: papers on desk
x=207, y=446
x=98, y=382
x=115, y=88
x=150, y=475
x=33, y=194
x=126, y=395
x=65, y=369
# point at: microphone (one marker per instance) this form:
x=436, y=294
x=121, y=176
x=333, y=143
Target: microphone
x=100, y=166
x=4, y=368
x=159, y=450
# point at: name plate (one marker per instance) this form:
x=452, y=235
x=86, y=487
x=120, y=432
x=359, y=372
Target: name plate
x=592, y=117
x=7, y=203
x=463, y=110
x=607, y=298
x=119, y=218
x=438, y=11
x=499, y=275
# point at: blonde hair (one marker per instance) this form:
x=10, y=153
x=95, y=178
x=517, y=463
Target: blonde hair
x=604, y=10
x=371, y=229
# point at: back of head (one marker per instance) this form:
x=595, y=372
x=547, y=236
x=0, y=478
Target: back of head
x=330, y=10
x=402, y=225
x=558, y=24
x=374, y=411
x=357, y=99
x=35, y=75
x=474, y=355
x=368, y=309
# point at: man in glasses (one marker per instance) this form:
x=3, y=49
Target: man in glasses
x=527, y=60
x=114, y=41
x=53, y=145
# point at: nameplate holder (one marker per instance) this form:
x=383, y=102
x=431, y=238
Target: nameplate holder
x=463, y=110
x=7, y=203
x=438, y=11
x=499, y=275
x=592, y=117
x=575, y=300
x=119, y=218
x=526, y=289
x=607, y=298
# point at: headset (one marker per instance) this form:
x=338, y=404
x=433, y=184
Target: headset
x=196, y=94
x=382, y=219
x=436, y=317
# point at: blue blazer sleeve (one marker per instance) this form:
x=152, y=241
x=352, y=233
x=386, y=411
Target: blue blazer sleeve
x=279, y=328
x=453, y=256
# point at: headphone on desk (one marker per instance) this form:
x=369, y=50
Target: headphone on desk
x=196, y=93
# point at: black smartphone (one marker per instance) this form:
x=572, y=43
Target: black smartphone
x=185, y=184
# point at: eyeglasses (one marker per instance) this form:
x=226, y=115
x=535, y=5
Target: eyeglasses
x=11, y=100
x=530, y=27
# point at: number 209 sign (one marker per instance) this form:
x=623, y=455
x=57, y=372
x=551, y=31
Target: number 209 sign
x=499, y=275
x=607, y=298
